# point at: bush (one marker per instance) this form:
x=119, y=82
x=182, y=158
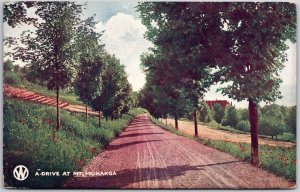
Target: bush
x=218, y=112
x=270, y=126
x=243, y=126
x=231, y=117
x=290, y=120
x=244, y=114
x=11, y=78
x=205, y=113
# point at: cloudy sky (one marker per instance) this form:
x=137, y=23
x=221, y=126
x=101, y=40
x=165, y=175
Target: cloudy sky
x=123, y=37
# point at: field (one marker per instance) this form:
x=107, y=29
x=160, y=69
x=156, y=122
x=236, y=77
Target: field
x=206, y=132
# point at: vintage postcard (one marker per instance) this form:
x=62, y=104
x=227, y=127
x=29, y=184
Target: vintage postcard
x=149, y=95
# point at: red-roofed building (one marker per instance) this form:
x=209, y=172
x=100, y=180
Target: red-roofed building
x=223, y=103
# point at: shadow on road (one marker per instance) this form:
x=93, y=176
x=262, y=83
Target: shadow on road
x=137, y=134
x=126, y=177
x=115, y=147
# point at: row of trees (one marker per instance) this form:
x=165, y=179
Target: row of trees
x=240, y=45
x=66, y=52
x=273, y=119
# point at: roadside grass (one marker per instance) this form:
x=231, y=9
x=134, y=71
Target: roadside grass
x=27, y=141
x=279, y=160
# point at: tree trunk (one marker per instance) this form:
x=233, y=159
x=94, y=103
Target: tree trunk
x=57, y=108
x=195, y=123
x=86, y=116
x=253, y=117
x=106, y=118
x=166, y=120
x=272, y=136
x=176, y=121
x=99, y=118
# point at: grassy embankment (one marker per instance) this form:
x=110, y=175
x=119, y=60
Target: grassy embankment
x=27, y=141
x=279, y=160
x=65, y=95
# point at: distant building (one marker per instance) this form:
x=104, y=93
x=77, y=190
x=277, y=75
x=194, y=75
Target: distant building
x=223, y=103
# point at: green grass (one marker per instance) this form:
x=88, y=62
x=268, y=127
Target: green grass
x=27, y=141
x=213, y=124
x=279, y=160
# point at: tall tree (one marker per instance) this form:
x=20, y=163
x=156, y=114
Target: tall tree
x=115, y=96
x=182, y=40
x=52, y=47
x=88, y=83
x=253, y=57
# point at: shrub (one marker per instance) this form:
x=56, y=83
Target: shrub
x=231, y=117
x=11, y=78
x=270, y=126
x=243, y=125
x=244, y=114
x=218, y=112
x=205, y=113
x=290, y=120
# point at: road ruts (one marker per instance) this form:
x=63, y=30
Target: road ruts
x=146, y=156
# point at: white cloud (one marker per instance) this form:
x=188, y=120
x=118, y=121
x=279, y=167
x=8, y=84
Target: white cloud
x=123, y=37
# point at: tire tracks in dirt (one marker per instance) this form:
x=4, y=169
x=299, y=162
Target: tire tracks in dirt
x=145, y=156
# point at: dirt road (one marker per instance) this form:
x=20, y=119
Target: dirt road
x=146, y=156
x=206, y=132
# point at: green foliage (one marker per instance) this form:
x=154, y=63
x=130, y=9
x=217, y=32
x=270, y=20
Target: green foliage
x=27, y=140
x=243, y=114
x=172, y=69
x=243, y=125
x=270, y=126
x=205, y=114
x=52, y=56
x=218, y=112
x=11, y=78
x=88, y=82
x=264, y=48
x=115, y=97
x=231, y=117
x=16, y=13
x=8, y=66
x=272, y=120
x=290, y=120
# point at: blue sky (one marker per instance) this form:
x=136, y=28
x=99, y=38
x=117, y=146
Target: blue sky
x=123, y=37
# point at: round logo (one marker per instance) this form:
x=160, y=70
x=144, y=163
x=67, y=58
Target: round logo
x=20, y=172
